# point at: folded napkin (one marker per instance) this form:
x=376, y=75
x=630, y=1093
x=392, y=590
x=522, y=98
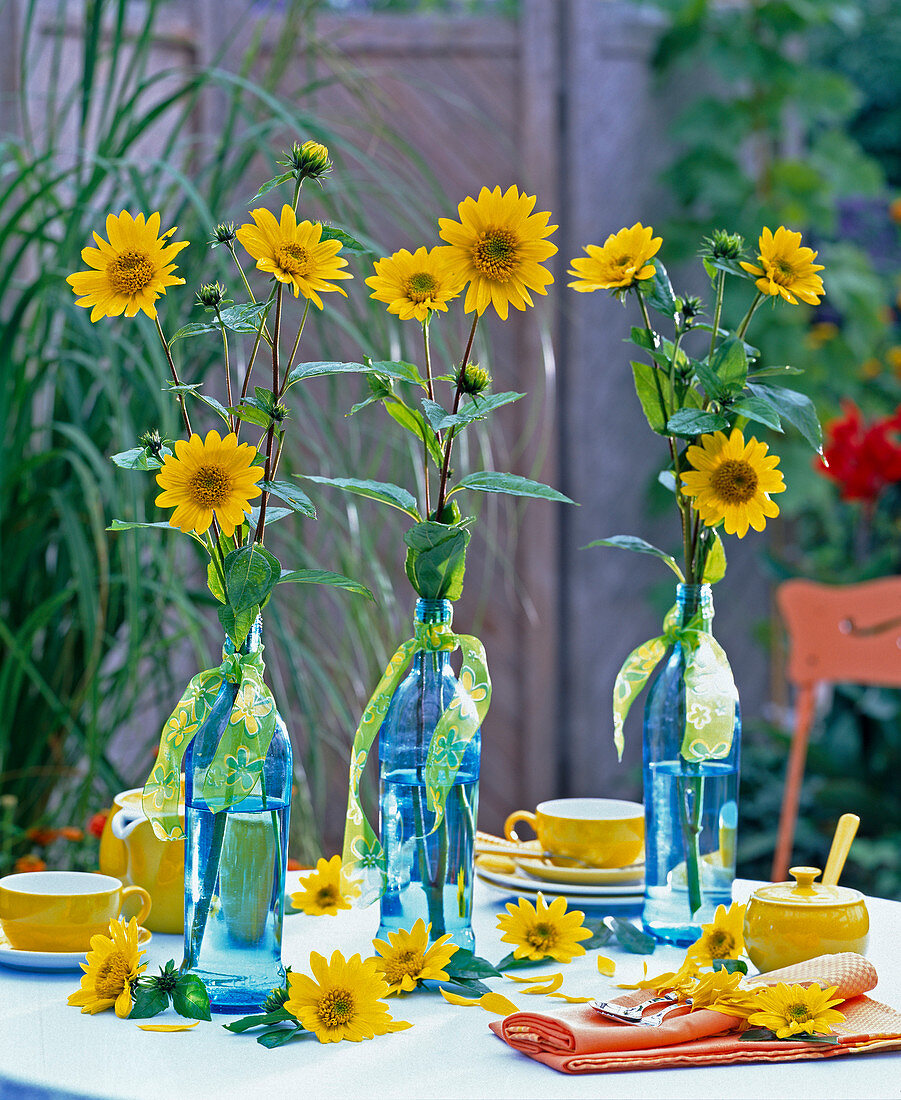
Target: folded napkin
x=576, y=1039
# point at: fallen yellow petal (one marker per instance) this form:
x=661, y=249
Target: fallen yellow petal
x=554, y=982
x=168, y=1027
x=572, y=1000
x=456, y=999
x=398, y=1025
x=606, y=966
x=497, y=1002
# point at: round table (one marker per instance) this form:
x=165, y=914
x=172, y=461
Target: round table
x=49, y=1050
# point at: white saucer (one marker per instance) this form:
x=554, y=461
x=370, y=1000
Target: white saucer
x=613, y=896
x=16, y=959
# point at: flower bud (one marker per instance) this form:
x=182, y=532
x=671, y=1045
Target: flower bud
x=224, y=233
x=210, y=295
x=721, y=245
x=308, y=161
x=475, y=379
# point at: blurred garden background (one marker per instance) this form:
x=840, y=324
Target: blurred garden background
x=685, y=115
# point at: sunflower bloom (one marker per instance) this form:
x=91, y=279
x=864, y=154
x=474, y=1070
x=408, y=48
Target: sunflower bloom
x=130, y=271
x=786, y=268
x=112, y=964
x=543, y=931
x=622, y=261
x=343, y=999
x=498, y=247
x=723, y=939
x=294, y=253
x=209, y=476
x=405, y=960
x=719, y=991
x=322, y=890
x=732, y=481
x=415, y=284
x=791, y=1010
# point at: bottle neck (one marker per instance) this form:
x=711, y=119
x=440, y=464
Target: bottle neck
x=433, y=612
x=252, y=643
x=695, y=602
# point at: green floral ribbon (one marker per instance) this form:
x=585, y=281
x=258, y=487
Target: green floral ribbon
x=363, y=872
x=710, y=692
x=238, y=763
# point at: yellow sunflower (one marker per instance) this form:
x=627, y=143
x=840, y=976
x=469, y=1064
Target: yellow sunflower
x=414, y=284
x=207, y=476
x=732, y=481
x=112, y=964
x=497, y=247
x=405, y=962
x=719, y=991
x=786, y=268
x=130, y=271
x=723, y=939
x=322, y=890
x=543, y=931
x=294, y=253
x=793, y=1010
x=343, y=999
x=622, y=261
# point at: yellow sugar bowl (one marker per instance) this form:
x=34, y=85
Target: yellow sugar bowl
x=789, y=922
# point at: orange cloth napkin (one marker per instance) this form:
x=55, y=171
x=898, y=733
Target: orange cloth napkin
x=576, y=1039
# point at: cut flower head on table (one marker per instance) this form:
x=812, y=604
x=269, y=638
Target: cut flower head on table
x=322, y=893
x=543, y=931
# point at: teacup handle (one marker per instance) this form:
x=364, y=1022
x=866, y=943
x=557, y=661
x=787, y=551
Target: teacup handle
x=518, y=815
x=146, y=901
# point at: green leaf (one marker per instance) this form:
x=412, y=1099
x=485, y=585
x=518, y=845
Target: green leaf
x=631, y=938
x=138, y=458
x=290, y=494
x=251, y=415
x=691, y=422
x=402, y=372
x=125, y=525
x=251, y=573
x=731, y=966
x=214, y=582
x=773, y=372
x=149, y=1001
x=510, y=962
x=600, y=934
x=464, y=964
x=351, y=244
x=269, y=185
x=658, y=290
x=653, y=401
x=764, y=1035
x=385, y=491
x=214, y=404
x=759, y=409
x=643, y=338
x=237, y=625
x=265, y=1019
x=324, y=576
x=488, y=481
x=476, y=409
x=730, y=364
x=639, y=546
x=465, y=986
x=415, y=422
x=715, y=565
x=796, y=408
x=190, y=998
x=436, y=559
x=240, y=318
x=758, y=1035
x=277, y=1037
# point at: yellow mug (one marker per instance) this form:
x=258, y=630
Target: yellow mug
x=130, y=850
x=602, y=832
x=62, y=910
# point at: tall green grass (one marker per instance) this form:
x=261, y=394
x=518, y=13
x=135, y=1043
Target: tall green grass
x=99, y=632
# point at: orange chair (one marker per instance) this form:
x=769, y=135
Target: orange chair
x=849, y=633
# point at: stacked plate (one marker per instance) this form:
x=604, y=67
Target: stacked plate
x=522, y=869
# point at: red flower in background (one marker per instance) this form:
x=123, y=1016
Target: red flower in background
x=42, y=836
x=97, y=822
x=862, y=458
x=30, y=863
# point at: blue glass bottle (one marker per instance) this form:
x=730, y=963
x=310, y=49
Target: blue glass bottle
x=235, y=867
x=430, y=874
x=691, y=808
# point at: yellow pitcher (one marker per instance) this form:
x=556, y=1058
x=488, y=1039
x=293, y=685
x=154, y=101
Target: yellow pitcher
x=130, y=851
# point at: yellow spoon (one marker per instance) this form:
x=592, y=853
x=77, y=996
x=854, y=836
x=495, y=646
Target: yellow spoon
x=845, y=832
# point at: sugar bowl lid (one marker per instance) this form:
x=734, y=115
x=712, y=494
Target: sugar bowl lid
x=805, y=892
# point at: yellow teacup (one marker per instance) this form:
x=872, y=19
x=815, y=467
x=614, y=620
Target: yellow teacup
x=61, y=910
x=603, y=832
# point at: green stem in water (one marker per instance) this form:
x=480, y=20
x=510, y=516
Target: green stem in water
x=691, y=800
x=432, y=882
x=210, y=875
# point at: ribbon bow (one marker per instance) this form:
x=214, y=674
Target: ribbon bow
x=710, y=692
x=237, y=693
x=363, y=857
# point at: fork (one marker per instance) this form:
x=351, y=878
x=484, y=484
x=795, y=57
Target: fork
x=635, y=1015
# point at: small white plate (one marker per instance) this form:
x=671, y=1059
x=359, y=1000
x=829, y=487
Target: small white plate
x=614, y=896
x=51, y=960
x=578, y=877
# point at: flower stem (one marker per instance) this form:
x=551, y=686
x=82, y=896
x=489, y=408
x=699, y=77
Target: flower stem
x=717, y=311
x=276, y=326
x=743, y=327
x=176, y=379
x=290, y=362
x=448, y=446
x=232, y=419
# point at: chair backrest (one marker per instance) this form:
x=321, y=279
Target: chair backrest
x=849, y=632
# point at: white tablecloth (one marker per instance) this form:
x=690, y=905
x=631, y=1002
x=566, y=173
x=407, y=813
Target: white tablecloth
x=449, y=1052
